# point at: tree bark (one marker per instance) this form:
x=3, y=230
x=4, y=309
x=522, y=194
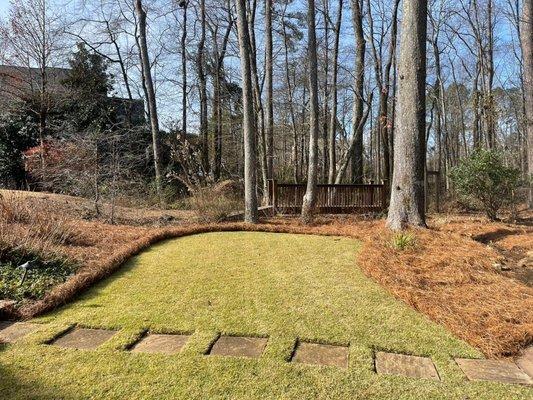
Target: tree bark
x=334, y=95
x=407, y=191
x=250, y=180
x=203, y=90
x=309, y=200
x=184, y=72
x=294, y=153
x=269, y=116
x=354, y=154
x=325, y=112
x=150, y=92
x=527, y=54
x=219, y=56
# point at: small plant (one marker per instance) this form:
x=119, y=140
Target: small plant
x=402, y=241
x=485, y=181
x=38, y=280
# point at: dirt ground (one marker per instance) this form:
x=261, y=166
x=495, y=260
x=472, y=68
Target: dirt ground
x=464, y=272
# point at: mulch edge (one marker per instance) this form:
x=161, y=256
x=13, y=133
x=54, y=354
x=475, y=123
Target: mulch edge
x=97, y=271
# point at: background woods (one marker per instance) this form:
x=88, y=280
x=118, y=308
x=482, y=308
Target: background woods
x=154, y=96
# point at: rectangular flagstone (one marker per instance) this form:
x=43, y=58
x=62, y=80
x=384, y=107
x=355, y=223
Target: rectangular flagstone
x=239, y=346
x=525, y=361
x=404, y=365
x=159, y=343
x=321, y=354
x=83, y=338
x=493, y=370
x=10, y=332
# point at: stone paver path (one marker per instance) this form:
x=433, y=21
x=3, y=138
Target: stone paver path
x=321, y=354
x=238, y=346
x=159, y=343
x=83, y=338
x=404, y=365
x=525, y=361
x=493, y=370
x=10, y=332
x=503, y=371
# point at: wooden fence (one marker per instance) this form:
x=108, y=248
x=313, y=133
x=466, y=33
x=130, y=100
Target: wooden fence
x=287, y=198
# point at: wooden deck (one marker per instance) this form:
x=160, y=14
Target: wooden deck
x=287, y=198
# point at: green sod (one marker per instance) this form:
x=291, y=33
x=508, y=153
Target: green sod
x=286, y=287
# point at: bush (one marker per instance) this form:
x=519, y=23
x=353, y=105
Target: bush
x=213, y=206
x=43, y=275
x=483, y=180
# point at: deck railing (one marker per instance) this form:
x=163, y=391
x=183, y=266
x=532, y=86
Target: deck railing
x=287, y=198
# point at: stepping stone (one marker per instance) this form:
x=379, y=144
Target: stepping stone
x=321, y=354
x=157, y=343
x=83, y=339
x=404, y=365
x=238, y=346
x=525, y=362
x=10, y=332
x=493, y=370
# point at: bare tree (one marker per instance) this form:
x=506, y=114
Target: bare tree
x=219, y=51
x=250, y=180
x=383, y=77
x=527, y=54
x=407, y=191
x=335, y=98
x=354, y=154
x=33, y=38
x=184, y=4
x=308, y=206
x=200, y=61
x=269, y=123
x=150, y=92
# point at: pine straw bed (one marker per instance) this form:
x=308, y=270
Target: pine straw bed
x=446, y=275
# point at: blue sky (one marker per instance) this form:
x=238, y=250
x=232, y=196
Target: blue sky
x=4, y=4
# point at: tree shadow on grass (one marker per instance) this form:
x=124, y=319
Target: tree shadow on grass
x=13, y=387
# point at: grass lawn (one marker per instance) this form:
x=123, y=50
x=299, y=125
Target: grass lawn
x=286, y=287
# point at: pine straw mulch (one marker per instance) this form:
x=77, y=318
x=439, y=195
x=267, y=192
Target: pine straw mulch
x=446, y=275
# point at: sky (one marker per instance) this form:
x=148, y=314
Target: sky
x=170, y=93
x=4, y=5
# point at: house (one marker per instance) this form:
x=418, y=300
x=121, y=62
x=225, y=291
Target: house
x=22, y=83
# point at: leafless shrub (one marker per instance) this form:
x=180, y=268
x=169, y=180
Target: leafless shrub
x=213, y=206
x=28, y=229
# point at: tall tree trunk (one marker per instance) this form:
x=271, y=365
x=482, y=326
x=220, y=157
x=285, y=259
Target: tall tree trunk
x=383, y=80
x=269, y=123
x=489, y=100
x=334, y=95
x=325, y=111
x=184, y=72
x=527, y=54
x=294, y=153
x=258, y=102
x=407, y=192
x=150, y=92
x=356, y=151
x=203, y=90
x=310, y=197
x=250, y=180
x=219, y=55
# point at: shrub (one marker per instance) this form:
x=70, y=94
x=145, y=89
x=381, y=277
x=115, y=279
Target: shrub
x=213, y=206
x=402, y=241
x=43, y=275
x=483, y=180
